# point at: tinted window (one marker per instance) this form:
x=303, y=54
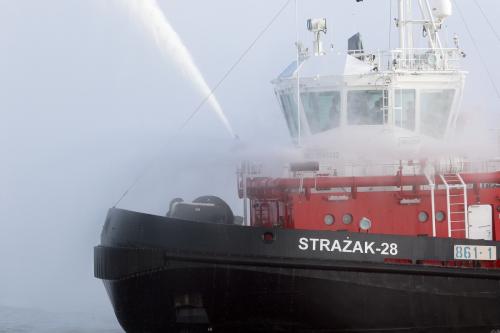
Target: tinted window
x=289, y=107
x=435, y=110
x=365, y=107
x=322, y=110
x=404, y=108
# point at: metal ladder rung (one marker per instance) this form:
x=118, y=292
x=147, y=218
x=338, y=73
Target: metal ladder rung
x=456, y=188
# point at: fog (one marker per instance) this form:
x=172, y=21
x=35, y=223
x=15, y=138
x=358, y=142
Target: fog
x=88, y=103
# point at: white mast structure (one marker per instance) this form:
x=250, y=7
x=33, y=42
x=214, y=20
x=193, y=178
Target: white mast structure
x=433, y=13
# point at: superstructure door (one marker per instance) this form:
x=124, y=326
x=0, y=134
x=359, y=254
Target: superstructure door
x=480, y=218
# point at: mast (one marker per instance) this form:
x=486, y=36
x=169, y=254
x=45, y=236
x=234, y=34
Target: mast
x=433, y=14
x=409, y=24
x=402, y=24
x=405, y=24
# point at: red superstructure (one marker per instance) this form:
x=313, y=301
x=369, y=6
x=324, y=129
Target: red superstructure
x=392, y=203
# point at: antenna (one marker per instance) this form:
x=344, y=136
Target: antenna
x=298, y=71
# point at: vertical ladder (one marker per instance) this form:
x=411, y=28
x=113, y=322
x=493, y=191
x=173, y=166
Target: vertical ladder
x=456, y=203
x=432, y=186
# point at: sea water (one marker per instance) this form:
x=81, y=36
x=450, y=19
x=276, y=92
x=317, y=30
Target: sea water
x=19, y=320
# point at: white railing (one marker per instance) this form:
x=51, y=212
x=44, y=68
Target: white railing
x=374, y=168
x=492, y=165
x=418, y=59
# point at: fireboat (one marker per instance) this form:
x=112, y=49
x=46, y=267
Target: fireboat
x=402, y=237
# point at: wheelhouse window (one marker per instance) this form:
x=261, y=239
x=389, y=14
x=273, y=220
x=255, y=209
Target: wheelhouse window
x=365, y=107
x=435, y=111
x=289, y=107
x=322, y=110
x=404, y=108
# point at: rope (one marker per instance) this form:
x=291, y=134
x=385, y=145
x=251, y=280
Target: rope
x=197, y=109
x=487, y=20
x=390, y=23
x=483, y=63
x=298, y=71
x=238, y=61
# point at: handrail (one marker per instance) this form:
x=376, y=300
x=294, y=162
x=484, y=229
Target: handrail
x=466, y=214
x=448, y=206
x=423, y=59
x=432, y=185
x=274, y=186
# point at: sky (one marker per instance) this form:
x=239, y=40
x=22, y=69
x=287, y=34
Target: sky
x=87, y=103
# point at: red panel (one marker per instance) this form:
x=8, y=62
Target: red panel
x=383, y=208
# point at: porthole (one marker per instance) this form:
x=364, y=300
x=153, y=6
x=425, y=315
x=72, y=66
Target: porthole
x=268, y=237
x=440, y=216
x=329, y=219
x=347, y=219
x=423, y=216
x=365, y=224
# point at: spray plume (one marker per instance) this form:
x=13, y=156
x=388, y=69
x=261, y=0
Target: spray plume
x=170, y=44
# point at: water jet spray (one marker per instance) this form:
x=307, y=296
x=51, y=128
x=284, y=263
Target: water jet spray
x=150, y=15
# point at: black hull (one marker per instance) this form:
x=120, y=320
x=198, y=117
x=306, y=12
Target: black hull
x=176, y=284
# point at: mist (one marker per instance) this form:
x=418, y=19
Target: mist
x=89, y=102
